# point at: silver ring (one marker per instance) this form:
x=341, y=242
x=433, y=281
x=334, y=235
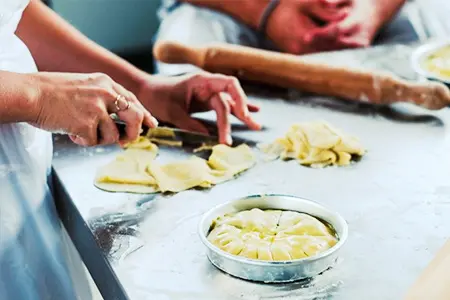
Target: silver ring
x=117, y=102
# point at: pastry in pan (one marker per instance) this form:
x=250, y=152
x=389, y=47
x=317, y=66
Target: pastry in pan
x=271, y=235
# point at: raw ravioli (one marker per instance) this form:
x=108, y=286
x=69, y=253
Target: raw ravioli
x=136, y=170
x=315, y=144
x=128, y=172
x=231, y=160
x=271, y=235
x=183, y=175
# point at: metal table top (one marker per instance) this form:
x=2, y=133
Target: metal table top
x=396, y=201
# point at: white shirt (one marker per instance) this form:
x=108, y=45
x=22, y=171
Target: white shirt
x=25, y=151
x=32, y=256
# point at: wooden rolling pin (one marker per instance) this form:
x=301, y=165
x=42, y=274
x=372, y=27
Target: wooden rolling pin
x=290, y=71
x=434, y=282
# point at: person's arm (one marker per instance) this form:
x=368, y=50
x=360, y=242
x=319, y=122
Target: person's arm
x=365, y=20
x=56, y=46
x=248, y=12
x=16, y=98
x=387, y=9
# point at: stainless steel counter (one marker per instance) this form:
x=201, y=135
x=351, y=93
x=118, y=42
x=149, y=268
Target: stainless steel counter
x=396, y=201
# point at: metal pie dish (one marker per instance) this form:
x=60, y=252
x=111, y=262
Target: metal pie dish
x=421, y=54
x=273, y=271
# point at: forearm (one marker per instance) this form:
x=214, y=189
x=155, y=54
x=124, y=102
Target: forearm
x=248, y=12
x=58, y=47
x=17, y=94
x=387, y=9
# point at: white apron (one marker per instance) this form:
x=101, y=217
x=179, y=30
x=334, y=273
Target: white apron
x=33, y=248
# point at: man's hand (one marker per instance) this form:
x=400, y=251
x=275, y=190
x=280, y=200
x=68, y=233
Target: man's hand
x=293, y=24
x=305, y=26
x=173, y=99
x=363, y=22
x=361, y=25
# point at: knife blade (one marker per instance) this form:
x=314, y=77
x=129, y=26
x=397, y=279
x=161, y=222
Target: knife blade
x=189, y=138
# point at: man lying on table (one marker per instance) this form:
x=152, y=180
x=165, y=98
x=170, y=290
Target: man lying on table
x=292, y=26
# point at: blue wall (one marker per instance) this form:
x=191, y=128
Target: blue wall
x=119, y=25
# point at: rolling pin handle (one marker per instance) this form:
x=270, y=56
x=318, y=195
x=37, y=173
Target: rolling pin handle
x=176, y=53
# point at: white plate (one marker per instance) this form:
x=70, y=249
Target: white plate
x=424, y=51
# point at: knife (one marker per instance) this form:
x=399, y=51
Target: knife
x=189, y=138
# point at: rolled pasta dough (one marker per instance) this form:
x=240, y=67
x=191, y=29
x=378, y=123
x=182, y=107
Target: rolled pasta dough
x=136, y=170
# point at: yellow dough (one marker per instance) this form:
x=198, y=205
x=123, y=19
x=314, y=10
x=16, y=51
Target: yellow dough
x=128, y=172
x=315, y=144
x=144, y=144
x=136, y=170
x=271, y=235
x=439, y=62
x=223, y=164
x=160, y=132
x=163, y=136
x=205, y=147
x=184, y=175
x=231, y=160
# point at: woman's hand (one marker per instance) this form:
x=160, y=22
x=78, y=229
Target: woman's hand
x=173, y=99
x=80, y=105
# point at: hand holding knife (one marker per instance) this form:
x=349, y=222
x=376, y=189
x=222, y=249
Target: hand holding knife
x=188, y=138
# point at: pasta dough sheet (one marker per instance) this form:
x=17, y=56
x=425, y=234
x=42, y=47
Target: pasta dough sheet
x=136, y=169
x=271, y=235
x=223, y=164
x=315, y=144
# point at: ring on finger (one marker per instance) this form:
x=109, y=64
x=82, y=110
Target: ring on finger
x=121, y=103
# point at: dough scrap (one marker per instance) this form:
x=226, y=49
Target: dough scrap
x=136, y=170
x=271, y=235
x=144, y=144
x=163, y=136
x=165, y=142
x=205, y=147
x=315, y=144
x=160, y=132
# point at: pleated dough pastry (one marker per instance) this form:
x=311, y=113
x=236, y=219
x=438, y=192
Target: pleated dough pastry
x=315, y=144
x=271, y=235
x=255, y=219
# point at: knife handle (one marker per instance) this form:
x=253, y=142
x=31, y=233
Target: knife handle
x=122, y=128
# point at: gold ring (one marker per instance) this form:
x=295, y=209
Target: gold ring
x=117, y=102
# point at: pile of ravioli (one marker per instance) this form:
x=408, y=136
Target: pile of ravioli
x=136, y=169
x=316, y=144
x=271, y=235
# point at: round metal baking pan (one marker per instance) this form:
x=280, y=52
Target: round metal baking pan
x=277, y=271
x=421, y=53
